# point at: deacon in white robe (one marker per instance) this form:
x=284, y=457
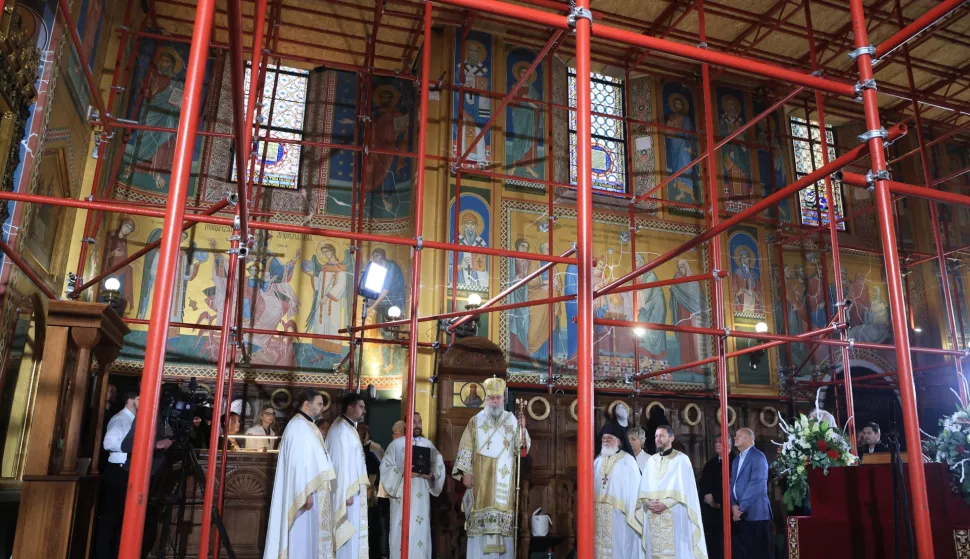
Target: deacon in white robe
x=422, y=488
x=350, y=488
x=300, y=521
x=616, y=485
x=670, y=510
x=486, y=464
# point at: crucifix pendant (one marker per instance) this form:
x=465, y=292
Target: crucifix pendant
x=488, y=444
x=605, y=480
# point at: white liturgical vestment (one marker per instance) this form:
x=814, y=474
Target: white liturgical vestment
x=677, y=531
x=349, y=521
x=392, y=479
x=302, y=469
x=616, y=483
x=488, y=451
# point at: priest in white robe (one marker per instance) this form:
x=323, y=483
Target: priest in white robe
x=670, y=510
x=486, y=464
x=300, y=521
x=616, y=485
x=350, y=488
x=423, y=487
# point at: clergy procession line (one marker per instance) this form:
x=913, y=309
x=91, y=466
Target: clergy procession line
x=645, y=506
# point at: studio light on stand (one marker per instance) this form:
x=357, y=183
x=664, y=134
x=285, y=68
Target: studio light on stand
x=371, y=287
x=111, y=294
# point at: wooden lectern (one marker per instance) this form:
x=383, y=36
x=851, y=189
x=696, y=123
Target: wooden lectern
x=60, y=491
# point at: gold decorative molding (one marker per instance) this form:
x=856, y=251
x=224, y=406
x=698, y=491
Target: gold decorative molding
x=793, y=537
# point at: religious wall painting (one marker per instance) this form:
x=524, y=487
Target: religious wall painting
x=155, y=99
x=472, y=110
x=680, y=142
x=47, y=229
x=747, y=295
x=736, y=179
x=331, y=272
x=778, y=312
x=474, y=229
x=292, y=284
x=116, y=251
x=643, y=139
x=618, y=352
x=864, y=284
x=91, y=16
x=467, y=395
x=773, y=166
x=387, y=177
x=525, y=150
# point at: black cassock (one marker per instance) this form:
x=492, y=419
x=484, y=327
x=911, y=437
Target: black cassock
x=711, y=482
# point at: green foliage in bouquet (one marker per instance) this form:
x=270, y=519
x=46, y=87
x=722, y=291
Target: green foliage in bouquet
x=810, y=443
x=952, y=447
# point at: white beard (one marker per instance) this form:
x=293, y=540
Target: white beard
x=495, y=412
x=607, y=451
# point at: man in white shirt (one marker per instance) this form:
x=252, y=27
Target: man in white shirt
x=115, y=485
x=637, y=438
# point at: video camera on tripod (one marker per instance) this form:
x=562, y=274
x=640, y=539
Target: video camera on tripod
x=179, y=407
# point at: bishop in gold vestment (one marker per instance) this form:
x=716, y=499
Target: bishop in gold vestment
x=487, y=466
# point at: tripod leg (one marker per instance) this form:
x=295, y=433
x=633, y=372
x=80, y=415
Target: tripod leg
x=223, y=534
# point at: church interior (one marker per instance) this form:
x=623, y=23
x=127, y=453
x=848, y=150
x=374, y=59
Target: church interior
x=719, y=216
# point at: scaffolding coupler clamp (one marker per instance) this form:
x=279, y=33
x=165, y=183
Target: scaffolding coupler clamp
x=575, y=12
x=420, y=243
x=716, y=274
x=89, y=241
x=865, y=84
x=702, y=45
x=727, y=333
x=873, y=176
x=232, y=198
x=851, y=343
x=868, y=135
x=966, y=352
x=817, y=73
x=869, y=49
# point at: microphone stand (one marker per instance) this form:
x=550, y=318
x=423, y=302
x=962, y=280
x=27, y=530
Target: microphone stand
x=900, y=498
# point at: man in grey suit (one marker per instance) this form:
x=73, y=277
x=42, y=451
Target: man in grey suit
x=750, y=508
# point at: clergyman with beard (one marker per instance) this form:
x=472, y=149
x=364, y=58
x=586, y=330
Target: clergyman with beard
x=487, y=466
x=423, y=487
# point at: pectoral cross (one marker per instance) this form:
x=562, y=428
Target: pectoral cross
x=606, y=480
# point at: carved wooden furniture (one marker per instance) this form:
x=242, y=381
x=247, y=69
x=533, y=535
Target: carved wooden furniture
x=60, y=491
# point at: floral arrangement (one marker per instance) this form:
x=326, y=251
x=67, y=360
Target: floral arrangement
x=810, y=443
x=952, y=447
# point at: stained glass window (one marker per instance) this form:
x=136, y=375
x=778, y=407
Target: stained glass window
x=807, y=143
x=608, y=133
x=286, y=88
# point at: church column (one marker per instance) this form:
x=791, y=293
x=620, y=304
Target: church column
x=885, y=219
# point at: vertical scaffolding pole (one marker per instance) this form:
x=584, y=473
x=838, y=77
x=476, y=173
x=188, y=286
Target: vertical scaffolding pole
x=885, y=219
x=144, y=443
x=840, y=309
x=584, y=297
x=416, y=281
x=712, y=207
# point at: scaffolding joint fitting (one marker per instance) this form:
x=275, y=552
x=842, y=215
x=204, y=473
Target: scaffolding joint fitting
x=870, y=134
x=363, y=118
x=119, y=88
x=865, y=84
x=868, y=49
x=727, y=333
x=232, y=198
x=702, y=45
x=851, y=343
x=575, y=12
x=89, y=241
x=817, y=73
x=420, y=243
x=873, y=176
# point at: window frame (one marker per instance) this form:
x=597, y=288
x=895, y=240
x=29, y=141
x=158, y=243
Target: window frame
x=815, y=148
x=571, y=133
x=271, y=70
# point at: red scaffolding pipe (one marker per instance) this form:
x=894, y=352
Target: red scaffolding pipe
x=897, y=306
x=584, y=277
x=142, y=449
x=12, y=255
x=412, y=379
